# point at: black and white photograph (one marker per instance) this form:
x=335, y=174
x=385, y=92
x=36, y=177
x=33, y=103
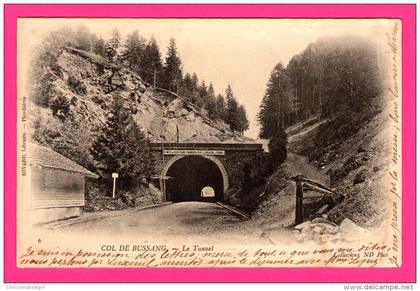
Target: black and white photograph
x=208, y=142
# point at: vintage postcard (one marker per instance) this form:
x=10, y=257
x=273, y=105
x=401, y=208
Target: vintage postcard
x=161, y=142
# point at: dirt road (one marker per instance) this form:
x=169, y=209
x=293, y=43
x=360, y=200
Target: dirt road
x=186, y=221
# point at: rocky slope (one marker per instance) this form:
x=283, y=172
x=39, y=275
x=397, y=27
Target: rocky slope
x=89, y=83
x=355, y=166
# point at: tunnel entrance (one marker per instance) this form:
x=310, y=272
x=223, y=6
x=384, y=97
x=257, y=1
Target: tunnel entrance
x=189, y=176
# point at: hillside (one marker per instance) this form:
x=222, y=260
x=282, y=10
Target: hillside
x=88, y=83
x=352, y=158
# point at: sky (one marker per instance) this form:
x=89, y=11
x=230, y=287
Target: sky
x=236, y=52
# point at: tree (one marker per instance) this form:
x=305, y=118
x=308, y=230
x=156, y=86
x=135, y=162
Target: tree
x=333, y=75
x=152, y=64
x=202, y=95
x=99, y=47
x=202, y=90
x=187, y=88
x=111, y=47
x=277, y=148
x=220, y=107
x=84, y=39
x=231, y=117
x=134, y=51
x=275, y=104
x=194, y=80
x=194, y=92
x=243, y=123
x=210, y=103
x=210, y=90
x=122, y=148
x=172, y=72
x=45, y=69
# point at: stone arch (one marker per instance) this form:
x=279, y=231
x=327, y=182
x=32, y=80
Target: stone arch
x=211, y=158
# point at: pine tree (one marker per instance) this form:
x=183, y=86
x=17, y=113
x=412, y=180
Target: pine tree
x=187, y=88
x=220, y=107
x=152, y=63
x=122, y=148
x=194, y=86
x=134, y=52
x=202, y=90
x=243, y=123
x=231, y=117
x=194, y=80
x=275, y=104
x=210, y=90
x=172, y=72
x=202, y=95
x=111, y=47
x=210, y=103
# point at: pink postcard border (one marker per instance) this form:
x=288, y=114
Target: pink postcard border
x=407, y=271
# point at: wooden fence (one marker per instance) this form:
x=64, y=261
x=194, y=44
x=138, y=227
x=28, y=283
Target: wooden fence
x=324, y=202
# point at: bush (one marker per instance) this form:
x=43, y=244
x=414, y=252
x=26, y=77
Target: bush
x=277, y=148
x=76, y=85
x=43, y=89
x=59, y=105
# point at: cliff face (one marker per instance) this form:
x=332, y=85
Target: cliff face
x=89, y=84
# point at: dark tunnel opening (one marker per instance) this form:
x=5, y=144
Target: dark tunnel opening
x=189, y=176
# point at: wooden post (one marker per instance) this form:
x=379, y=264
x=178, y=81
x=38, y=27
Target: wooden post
x=330, y=198
x=299, y=200
x=114, y=178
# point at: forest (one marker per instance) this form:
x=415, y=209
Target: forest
x=142, y=57
x=330, y=77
